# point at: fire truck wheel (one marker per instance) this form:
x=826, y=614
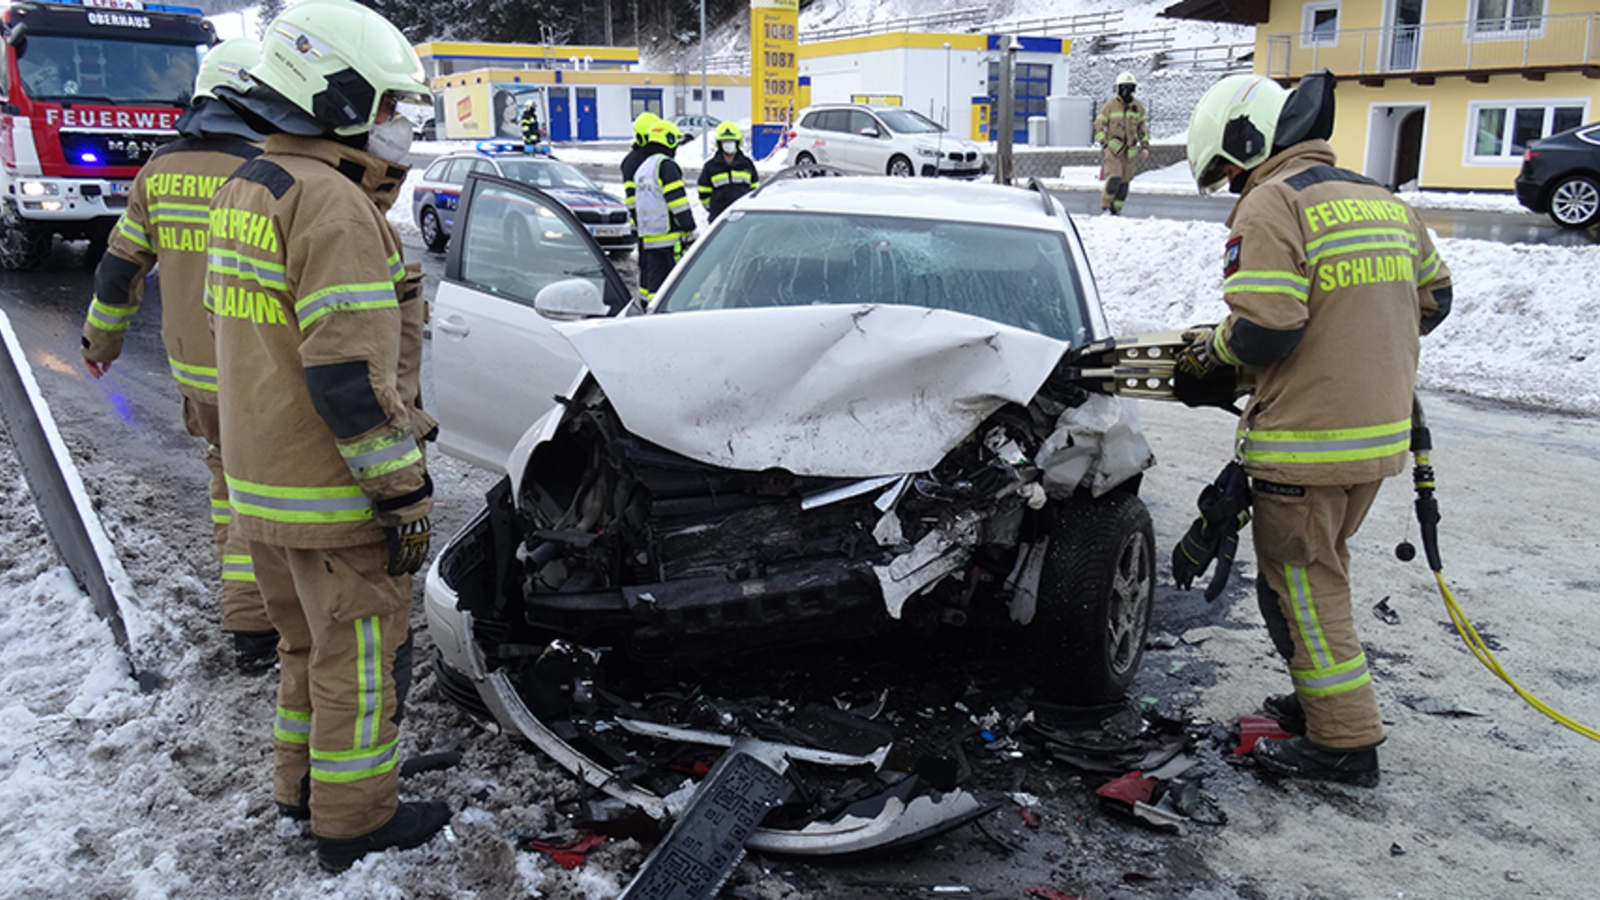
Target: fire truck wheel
x=23, y=246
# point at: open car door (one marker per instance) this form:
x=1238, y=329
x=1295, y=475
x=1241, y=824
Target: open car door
x=519, y=262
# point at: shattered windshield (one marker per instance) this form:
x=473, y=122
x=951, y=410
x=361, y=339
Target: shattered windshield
x=63, y=68
x=1016, y=276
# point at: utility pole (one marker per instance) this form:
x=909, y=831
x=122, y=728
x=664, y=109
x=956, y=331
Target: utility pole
x=635, y=24
x=605, y=7
x=705, y=93
x=1005, y=170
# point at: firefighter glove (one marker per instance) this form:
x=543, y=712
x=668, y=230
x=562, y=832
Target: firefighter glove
x=1200, y=379
x=1224, y=509
x=408, y=546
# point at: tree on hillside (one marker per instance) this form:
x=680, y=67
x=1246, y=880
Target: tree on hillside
x=268, y=10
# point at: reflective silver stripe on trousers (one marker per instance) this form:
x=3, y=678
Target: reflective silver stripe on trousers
x=372, y=697
x=1300, y=593
x=294, y=726
x=359, y=764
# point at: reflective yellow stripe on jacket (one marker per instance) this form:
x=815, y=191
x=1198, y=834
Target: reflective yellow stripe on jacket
x=106, y=317
x=380, y=455
x=201, y=377
x=1340, y=445
x=312, y=505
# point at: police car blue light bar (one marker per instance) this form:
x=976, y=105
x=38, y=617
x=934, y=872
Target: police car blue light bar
x=499, y=146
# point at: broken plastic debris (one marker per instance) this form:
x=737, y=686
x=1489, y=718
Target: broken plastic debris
x=1254, y=728
x=1131, y=788
x=1384, y=613
x=1049, y=893
x=1030, y=818
x=568, y=854
x=951, y=889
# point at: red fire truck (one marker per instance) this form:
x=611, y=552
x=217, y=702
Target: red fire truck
x=92, y=88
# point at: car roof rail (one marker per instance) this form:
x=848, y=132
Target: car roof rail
x=1035, y=184
x=811, y=171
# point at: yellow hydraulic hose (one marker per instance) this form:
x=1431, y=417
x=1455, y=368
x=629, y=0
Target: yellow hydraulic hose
x=1428, y=518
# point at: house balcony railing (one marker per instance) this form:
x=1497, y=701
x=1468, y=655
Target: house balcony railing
x=1530, y=44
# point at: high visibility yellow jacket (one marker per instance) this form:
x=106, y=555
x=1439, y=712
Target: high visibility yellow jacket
x=1330, y=279
x=318, y=329
x=724, y=180
x=166, y=222
x=1121, y=127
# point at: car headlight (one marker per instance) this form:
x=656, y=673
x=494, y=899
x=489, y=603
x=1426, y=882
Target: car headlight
x=40, y=189
x=929, y=152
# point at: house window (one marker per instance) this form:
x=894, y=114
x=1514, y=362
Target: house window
x=716, y=95
x=1507, y=18
x=697, y=95
x=1319, y=24
x=1502, y=131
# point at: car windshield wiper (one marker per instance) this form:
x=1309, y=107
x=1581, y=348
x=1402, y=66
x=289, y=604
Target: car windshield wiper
x=70, y=99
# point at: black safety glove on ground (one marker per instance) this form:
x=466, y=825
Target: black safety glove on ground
x=1224, y=509
x=408, y=546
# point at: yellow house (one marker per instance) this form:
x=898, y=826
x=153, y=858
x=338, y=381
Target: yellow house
x=1445, y=94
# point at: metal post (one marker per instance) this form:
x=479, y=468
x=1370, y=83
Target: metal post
x=705, y=95
x=946, y=85
x=1004, y=170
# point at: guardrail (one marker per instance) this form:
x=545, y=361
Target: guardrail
x=1058, y=26
x=1210, y=58
x=953, y=18
x=1148, y=40
x=1505, y=43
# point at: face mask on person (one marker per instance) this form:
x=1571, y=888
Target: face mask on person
x=391, y=139
x=729, y=147
x=1125, y=91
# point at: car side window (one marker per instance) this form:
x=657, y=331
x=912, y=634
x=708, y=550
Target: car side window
x=836, y=120
x=515, y=246
x=458, y=171
x=436, y=171
x=860, y=121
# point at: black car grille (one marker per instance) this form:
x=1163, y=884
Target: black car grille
x=95, y=149
x=958, y=156
x=598, y=217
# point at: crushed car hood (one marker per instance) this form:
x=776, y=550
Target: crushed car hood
x=833, y=391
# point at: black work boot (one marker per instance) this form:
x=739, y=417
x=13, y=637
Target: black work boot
x=1297, y=757
x=254, y=652
x=300, y=812
x=412, y=825
x=1286, y=709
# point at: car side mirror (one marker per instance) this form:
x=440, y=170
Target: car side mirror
x=569, y=299
x=869, y=131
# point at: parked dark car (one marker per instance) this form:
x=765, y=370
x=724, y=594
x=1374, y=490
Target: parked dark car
x=1561, y=176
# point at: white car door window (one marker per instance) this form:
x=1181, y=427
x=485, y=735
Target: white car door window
x=867, y=150
x=498, y=364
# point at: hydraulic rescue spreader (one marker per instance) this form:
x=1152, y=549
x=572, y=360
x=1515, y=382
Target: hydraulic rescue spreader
x=1144, y=366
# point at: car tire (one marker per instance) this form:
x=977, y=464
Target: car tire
x=1096, y=590
x=432, y=230
x=805, y=159
x=900, y=167
x=619, y=252
x=1575, y=202
x=24, y=245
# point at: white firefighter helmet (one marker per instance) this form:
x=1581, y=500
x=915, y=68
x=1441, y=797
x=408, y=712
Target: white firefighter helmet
x=227, y=65
x=1233, y=123
x=335, y=61
x=1128, y=79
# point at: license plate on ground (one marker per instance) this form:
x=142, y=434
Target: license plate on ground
x=119, y=188
x=609, y=230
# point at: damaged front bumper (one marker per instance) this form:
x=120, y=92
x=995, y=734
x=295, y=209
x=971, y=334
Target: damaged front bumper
x=906, y=812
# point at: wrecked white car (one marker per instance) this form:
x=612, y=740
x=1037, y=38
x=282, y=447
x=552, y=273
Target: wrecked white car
x=841, y=417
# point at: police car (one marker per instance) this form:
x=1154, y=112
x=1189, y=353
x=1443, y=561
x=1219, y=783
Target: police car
x=439, y=192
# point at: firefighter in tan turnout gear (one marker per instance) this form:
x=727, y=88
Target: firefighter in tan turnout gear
x=318, y=330
x=1122, y=130
x=165, y=225
x=1330, y=281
